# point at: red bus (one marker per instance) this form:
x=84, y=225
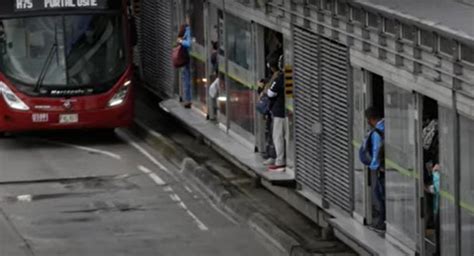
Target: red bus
x=65, y=64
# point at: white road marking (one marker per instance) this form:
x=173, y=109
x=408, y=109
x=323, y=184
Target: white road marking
x=134, y=144
x=168, y=189
x=88, y=149
x=131, y=142
x=200, y=224
x=213, y=205
x=159, y=181
x=188, y=189
x=198, y=221
x=175, y=198
x=25, y=198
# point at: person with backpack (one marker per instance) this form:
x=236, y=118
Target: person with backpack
x=185, y=40
x=276, y=95
x=372, y=155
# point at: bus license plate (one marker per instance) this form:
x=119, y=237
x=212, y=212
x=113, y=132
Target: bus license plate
x=40, y=118
x=68, y=118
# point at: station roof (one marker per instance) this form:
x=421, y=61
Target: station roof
x=449, y=16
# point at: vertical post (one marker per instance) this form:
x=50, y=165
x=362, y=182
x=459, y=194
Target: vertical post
x=367, y=88
x=208, y=49
x=457, y=176
x=226, y=67
x=421, y=209
x=254, y=79
x=457, y=158
x=350, y=110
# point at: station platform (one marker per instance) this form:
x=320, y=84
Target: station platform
x=237, y=153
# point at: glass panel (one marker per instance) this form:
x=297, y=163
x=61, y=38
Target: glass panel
x=329, y=5
x=216, y=31
x=359, y=133
x=400, y=164
x=197, y=20
x=373, y=20
x=75, y=50
x=241, y=106
x=222, y=99
x=199, y=84
x=427, y=38
x=316, y=3
x=239, y=41
x=408, y=32
x=447, y=207
x=467, y=53
x=342, y=9
x=467, y=186
x=390, y=26
x=446, y=45
x=358, y=15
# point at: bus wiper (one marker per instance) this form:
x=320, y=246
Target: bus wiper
x=45, y=67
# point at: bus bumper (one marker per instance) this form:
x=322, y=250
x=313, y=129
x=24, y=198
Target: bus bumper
x=16, y=121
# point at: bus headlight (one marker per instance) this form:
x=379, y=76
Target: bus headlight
x=11, y=99
x=120, y=95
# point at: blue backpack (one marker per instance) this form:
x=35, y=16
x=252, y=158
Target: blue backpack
x=365, y=150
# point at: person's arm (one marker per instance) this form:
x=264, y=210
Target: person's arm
x=376, y=147
x=271, y=93
x=187, y=41
x=275, y=88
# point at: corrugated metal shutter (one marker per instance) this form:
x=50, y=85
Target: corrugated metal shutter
x=157, y=39
x=336, y=121
x=307, y=108
x=322, y=118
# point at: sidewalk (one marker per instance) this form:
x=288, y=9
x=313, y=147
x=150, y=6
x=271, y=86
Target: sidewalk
x=351, y=232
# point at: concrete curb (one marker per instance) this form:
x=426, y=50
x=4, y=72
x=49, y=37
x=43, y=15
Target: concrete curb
x=238, y=208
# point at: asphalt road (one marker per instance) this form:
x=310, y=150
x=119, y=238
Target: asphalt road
x=97, y=193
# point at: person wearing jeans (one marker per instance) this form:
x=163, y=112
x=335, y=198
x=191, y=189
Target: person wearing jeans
x=377, y=166
x=276, y=93
x=184, y=38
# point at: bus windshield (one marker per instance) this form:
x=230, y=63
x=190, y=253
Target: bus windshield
x=83, y=50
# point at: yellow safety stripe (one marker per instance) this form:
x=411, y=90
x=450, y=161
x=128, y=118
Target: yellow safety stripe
x=408, y=173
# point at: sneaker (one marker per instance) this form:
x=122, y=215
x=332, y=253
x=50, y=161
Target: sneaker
x=187, y=105
x=276, y=168
x=379, y=228
x=269, y=161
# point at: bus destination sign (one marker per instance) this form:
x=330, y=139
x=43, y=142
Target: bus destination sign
x=43, y=5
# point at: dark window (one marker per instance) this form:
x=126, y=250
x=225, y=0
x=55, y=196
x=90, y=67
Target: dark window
x=315, y=3
x=342, y=9
x=408, y=32
x=390, y=26
x=197, y=21
x=446, y=45
x=373, y=20
x=467, y=53
x=358, y=15
x=427, y=38
x=329, y=5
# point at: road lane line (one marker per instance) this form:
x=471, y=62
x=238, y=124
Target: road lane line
x=88, y=149
x=200, y=224
x=159, y=181
x=188, y=189
x=134, y=144
x=168, y=189
x=25, y=198
x=175, y=198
